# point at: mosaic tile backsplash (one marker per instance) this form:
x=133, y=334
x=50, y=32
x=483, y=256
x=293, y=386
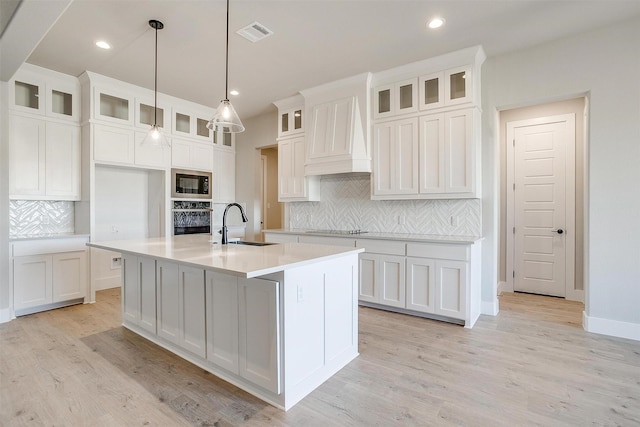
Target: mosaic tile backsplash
x=346, y=205
x=39, y=217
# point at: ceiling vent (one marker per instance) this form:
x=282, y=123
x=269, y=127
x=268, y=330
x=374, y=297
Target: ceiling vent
x=254, y=32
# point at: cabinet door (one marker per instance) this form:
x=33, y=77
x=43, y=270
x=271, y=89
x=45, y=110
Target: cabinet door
x=285, y=170
x=367, y=280
x=201, y=156
x=431, y=91
x=396, y=157
x=292, y=183
x=32, y=281
x=27, y=93
x=180, y=154
x=383, y=101
x=459, y=152
x=150, y=156
x=298, y=180
x=222, y=320
x=224, y=175
x=147, y=293
x=113, y=106
x=406, y=96
x=113, y=145
x=69, y=276
x=451, y=289
x=392, y=280
x=27, y=154
x=421, y=284
x=63, y=100
x=432, y=154
x=130, y=289
x=62, y=162
x=259, y=335
x=192, y=313
x=168, y=301
x=458, y=85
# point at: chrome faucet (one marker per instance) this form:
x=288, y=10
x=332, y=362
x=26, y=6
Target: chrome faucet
x=225, y=240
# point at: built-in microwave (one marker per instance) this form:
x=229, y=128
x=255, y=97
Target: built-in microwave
x=186, y=184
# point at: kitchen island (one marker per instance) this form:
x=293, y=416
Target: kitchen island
x=276, y=321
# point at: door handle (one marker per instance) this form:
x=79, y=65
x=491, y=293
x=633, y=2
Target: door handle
x=559, y=231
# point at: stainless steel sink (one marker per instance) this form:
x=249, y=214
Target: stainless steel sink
x=241, y=242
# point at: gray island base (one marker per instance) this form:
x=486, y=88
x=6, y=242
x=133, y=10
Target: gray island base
x=276, y=321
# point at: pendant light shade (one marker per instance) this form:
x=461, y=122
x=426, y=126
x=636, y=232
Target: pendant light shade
x=155, y=137
x=225, y=118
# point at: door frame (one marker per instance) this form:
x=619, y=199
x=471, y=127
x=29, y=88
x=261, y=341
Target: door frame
x=570, y=159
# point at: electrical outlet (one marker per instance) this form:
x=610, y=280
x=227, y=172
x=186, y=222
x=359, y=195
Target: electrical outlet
x=45, y=219
x=114, y=229
x=116, y=262
x=300, y=294
x=453, y=220
x=401, y=220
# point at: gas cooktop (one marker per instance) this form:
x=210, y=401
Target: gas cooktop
x=348, y=232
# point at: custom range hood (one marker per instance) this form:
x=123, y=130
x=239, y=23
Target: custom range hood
x=338, y=127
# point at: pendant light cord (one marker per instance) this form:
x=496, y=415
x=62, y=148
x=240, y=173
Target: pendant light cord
x=226, y=77
x=155, y=85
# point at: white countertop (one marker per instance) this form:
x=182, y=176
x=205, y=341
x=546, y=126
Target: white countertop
x=241, y=260
x=21, y=237
x=408, y=237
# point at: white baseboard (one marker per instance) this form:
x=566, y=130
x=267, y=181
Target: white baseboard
x=106, y=283
x=5, y=315
x=492, y=308
x=614, y=328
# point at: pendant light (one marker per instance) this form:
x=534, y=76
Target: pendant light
x=225, y=118
x=155, y=137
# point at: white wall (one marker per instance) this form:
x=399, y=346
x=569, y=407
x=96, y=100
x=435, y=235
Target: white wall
x=605, y=64
x=261, y=131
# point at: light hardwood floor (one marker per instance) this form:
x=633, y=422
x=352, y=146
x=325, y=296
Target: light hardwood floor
x=531, y=365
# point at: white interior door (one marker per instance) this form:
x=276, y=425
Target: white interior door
x=541, y=214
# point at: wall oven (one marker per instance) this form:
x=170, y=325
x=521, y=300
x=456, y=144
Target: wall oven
x=191, y=217
x=186, y=184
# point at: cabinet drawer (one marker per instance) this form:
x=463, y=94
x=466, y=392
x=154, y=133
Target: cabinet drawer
x=321, y=240
x=386, y=247
x=49, y=246
x=438, y=251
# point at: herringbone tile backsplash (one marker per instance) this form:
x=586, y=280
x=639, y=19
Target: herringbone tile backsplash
x=346, y=204
x=38, y=217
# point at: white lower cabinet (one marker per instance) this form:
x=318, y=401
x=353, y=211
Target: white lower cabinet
x=181, y=306
x=44, y=279
x=259, y=332
x=382, y=279
x=437, y=286
x=139, y=297
x=222, y=320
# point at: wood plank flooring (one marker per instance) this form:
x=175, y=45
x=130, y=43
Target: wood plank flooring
x=532, y=365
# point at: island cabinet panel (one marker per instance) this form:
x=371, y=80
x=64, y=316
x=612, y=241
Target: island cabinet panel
x=180, y=304
x=259, y=333
x=130, y=292
x=139, y=296
x=222, y=320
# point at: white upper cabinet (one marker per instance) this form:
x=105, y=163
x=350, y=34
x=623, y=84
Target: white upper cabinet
x=395, y=157
x=45, y=159
x=446, y=88
x=146, y=115
x=113, y=106
x=290, y=116
x=186, y=123
x=293, y=185
x=36, y=90
x=224, y=175
x=395, y=98
x=224, y=140
x=187, y=154
x=155, y=157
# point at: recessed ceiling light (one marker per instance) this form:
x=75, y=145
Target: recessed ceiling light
x=234, y=92
x=103, y=44
x=436, y=23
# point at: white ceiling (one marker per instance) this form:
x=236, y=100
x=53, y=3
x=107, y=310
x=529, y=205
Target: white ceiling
x=314, y=42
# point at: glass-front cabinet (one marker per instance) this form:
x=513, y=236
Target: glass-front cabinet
x=190, y=124
x=223, y=140
x=113, y=106
x=146, y=116
x=450, y=87
x=290, y=122
x=396, y=98
x=52, y=97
